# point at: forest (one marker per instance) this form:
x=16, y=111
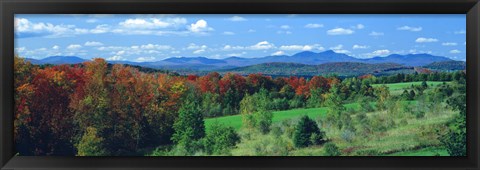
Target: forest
x=98, y=109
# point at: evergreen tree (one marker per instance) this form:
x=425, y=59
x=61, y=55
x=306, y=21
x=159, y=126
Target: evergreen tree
x=304, y=130
x=190, y=126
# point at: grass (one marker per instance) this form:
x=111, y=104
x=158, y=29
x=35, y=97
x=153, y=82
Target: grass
x=235, y=121
x=430, y=151
x=400, y=140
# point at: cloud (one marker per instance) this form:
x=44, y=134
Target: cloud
x=199, y=26
x=460, y=32
x=56, y=47
x=340, y=31
x=381, y=52
x=455, y=51
x=284, y=32
x=301, y=47
x=339, y=49
x=314, y=26
x=91, y=20
x=74, y=46
x=285, y=27
x=373, y=33
x=116, y=58
x=425, y=40
x=263, y=45
x=152, y=23
x=237, y=18
x=93, y=43
x=278, y=53
x=408, y=28
x=25, y=28
x=252, y=30
x=449, y=44
x=359, y=47
x=359, y=26
x=228, y=33
x=199, y=51
x=144, y=59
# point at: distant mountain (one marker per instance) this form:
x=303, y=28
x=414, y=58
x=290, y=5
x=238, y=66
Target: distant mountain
x=339, y=68
x=447, y=65
x=192, y=64
x=408, y=60
x=58, y=60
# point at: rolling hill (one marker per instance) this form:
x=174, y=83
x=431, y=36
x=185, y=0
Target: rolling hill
x=447, y=65
x=339, y=68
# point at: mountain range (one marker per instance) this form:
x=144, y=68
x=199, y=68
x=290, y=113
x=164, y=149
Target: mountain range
x=304, y=58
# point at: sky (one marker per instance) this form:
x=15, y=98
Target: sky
x=145, y=38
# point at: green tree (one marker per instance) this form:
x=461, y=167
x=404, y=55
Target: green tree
x=91, y=144
x=382, y=94
x=255, y=113
x=190, y=126
x=304, y=130
x=220, y=139
x=455, y=140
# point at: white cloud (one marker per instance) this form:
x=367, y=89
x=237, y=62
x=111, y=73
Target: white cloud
x=237, y=18
x=460, y=32
x=55, y=47
x=116, y=58
x=252, y=30
x=264, y=45
x=285, y=27
x=339, y=49
x=425, y=40
x=199, y=26
x=100, y=29
x=360, y=26
x=93, y=43
x=373, y=33
x=91, y=20
x=199, y=51
x=228, y=33
x=340, y=31
x=74, y=46
x=237, y=54
x=284, y=32
x=301, y=47
x=314, y=26
x=449, y=44
x=144, y=59
x=381, y=52
x=408, y=28
x=152, y=23
x=24, y=26
x=229, y=47
x=359, y=46
x=455, y=51
x=278, y=53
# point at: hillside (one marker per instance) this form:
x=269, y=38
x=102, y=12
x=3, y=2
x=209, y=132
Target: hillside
x=447, y=65
x=339, y=68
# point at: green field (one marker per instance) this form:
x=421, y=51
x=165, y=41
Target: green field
x=433, y=151
x=403, y=140
x=278, y=116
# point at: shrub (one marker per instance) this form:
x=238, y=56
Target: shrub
x=304, y=131
x=331, y=149
x=90, y=144
x=220, y=139
x=348, y=135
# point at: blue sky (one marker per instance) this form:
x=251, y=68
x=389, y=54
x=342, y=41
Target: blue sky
x=143, y=38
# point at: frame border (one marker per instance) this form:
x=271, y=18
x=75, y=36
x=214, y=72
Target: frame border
x=10, y=7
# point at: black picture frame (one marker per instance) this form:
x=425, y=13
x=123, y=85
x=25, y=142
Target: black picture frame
x=10, y=7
